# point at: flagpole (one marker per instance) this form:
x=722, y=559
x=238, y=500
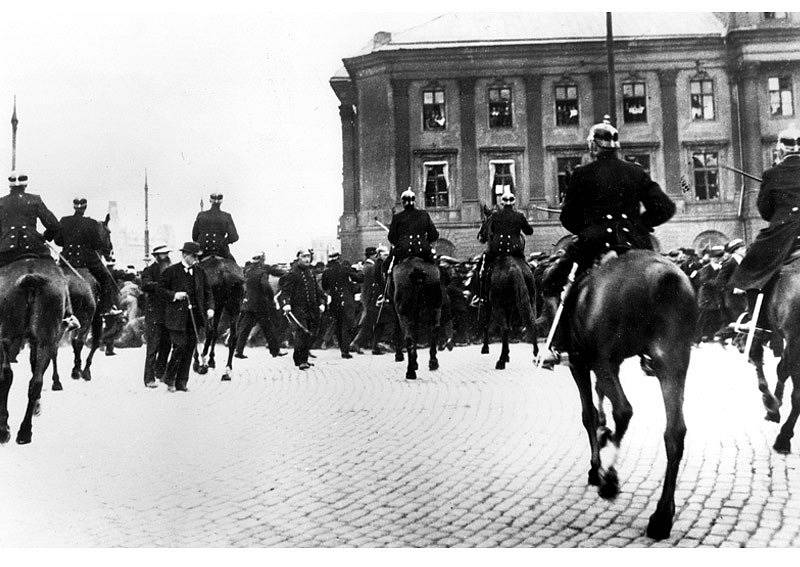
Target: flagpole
x=146, y=217
x=14, y=123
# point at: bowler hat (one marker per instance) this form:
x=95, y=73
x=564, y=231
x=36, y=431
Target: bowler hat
x=334, y=256
x=191, y=248
x=716, y=251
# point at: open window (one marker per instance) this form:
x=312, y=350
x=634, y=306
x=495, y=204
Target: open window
x=500, y=107
x=503, y=177
x=780, y=96
x=433, y=109
x=437, y=184
x=634, y=102
x=567, y=112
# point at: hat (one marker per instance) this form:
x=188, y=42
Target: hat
x=537, y=256
x=79, y=202
x=161, y=249
x=17, y=179
x=508, y=197
x=216, y=196
x=734, y=245
x=334, y=255
x=370, y=251
x=716, y=251
x=191, y=248
x=408, y=194
x=303, y=252
x=257, y=256
x=673, y=253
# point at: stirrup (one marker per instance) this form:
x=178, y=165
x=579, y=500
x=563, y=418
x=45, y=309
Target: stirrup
x=71, y=323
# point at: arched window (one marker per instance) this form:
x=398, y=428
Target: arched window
x=709, y=238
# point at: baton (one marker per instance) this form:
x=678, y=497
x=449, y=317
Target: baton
x=292, y=319
x=744, y=173
x=65, y=261
x=380, y=224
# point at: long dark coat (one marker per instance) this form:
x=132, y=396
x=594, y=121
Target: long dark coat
x=298, y=288
x=19, y=212
x=411, y=233
x=80, y=239
x=214, y=230
x=336, y=282
x=502, y=232
x=778, y=203
x=156, y=298
x=258, y=294
x=176, y=313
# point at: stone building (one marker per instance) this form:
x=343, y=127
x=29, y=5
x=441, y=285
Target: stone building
x=466, y=104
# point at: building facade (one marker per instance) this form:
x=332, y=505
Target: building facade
x=468, y=104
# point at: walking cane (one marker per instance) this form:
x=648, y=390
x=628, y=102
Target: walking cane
x=557, y=317
x=194, y=325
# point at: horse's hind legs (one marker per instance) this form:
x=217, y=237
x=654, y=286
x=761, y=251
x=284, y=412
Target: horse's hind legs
x=57, y=387
x=770, y=401
x=25, y=432
x=583, y=380
x=6, y=378
x=672, y=385
x=501, y=362
x=783, y=442
x=608, y=384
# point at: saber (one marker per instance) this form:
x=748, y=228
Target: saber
x=380, y=224
x=740, y=172
x=753, y=322
x=74, y=271
x=557, y=317
x=545, y=209
x=380, y=309
x=110, y=275
x=292, y=319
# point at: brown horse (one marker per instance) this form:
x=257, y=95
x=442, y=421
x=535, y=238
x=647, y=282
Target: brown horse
x=417, y=300
x=638, y=304
x=783, y=312
x=512, y=303
x=228, y=291
x=33, y=294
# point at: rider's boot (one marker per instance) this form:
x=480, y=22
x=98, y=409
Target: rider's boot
x=70, y=321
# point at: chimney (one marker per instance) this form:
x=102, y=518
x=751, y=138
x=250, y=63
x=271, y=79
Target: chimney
x=380, y=39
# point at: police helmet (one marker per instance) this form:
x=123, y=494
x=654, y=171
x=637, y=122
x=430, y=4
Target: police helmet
x=508, y=198
x=18, y=179
x=408, y=196
x=603, y=137
x=788, y=142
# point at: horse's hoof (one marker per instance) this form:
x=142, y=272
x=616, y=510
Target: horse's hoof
x=37, y=408
x=433, y=364
x=23, y=437
x=594, y=477
x=202, y=369
x=501, y=365
x=414, y=366
x=212, y=364
x=609, y=484
x=226, y=377
x=398, y=357
x=658, y=527
x=5, y=435
x=111, y=353
x=774, y=416
x=87, y=374
x=57, y=387
x=449, y=344
x=782, y=445
x=411, y=375
x=76, y=373
x=485, y=349
x=196, y=367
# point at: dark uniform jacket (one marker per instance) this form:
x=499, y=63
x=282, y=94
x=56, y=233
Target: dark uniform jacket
x=298, y=288
x=214, y=230
x=18, y=214
x=602, y=205
x=258, y=295
x=80, y=239
x=709, y=297
x=502, y=231
x=370, y=286
x=156, y=298
x=411, y=234
x=336, y=282
x=732, y=303
x=779, y=203
x=176, y=313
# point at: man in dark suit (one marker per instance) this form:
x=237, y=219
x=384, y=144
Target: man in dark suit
x=156, y=334
x=258, y=306
x=370, y=290
x=336, y=282
x=189, y=304
x=302, y=302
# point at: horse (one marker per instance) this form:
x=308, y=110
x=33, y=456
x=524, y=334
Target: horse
x=417, y=292
x=84, y=294
x=511, y=302
x=227, y=288
x=783, y=312
x=637, y=304
x=33, y=295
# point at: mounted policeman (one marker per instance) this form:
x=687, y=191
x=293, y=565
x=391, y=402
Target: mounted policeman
x=778, y=203
x=603, y=207
x=214, y=230
x=19, y=237
x=82, y=246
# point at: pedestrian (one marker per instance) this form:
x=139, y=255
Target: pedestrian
x=302, y=303
x=258, y=307
x=370, y=291
x=337, y=283
x=156, y=333
x=709, y=298
x=190, y=303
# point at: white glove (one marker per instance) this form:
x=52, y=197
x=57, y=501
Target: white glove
x=286, y=308
x=322, y=308
x=210, y=313
x=179, y=295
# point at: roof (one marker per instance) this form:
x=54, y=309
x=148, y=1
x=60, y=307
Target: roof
x=476, y=29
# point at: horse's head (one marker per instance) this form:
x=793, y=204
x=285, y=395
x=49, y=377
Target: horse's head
x=106, y=247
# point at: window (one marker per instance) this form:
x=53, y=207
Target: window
x=437, y=190
x=706, y=175
x=565, y=166
x=780, y=96
x=642, y=160
x=502, y=174
x=433, y=116
x=776, y=15
x=634, y=102
x=567, y=105
x=702, y=91
x=500, y=107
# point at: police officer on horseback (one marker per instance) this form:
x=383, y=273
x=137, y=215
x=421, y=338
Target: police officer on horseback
x=81, y=247
x=19, y=238
x=602, y=206
x=503, y=231
x=778, y=203
x=412, y=231
x=214, y=230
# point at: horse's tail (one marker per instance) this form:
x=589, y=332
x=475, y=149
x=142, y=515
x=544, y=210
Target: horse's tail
x=673, y=299
x=31, y=281
x=522, y=297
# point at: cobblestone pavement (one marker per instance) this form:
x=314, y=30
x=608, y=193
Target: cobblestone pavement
x=351, y=454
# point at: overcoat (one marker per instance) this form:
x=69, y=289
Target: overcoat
x=176, y=313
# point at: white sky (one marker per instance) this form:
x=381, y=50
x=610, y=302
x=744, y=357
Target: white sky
x=206, y=96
